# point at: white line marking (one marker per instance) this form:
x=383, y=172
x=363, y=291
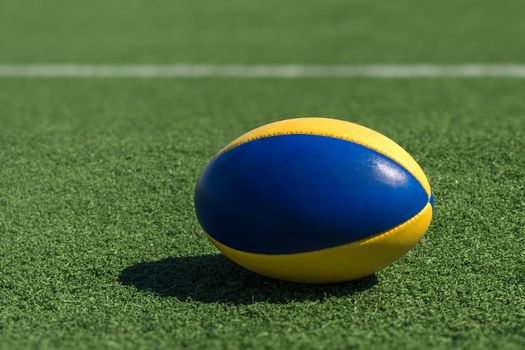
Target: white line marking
x=261, y=71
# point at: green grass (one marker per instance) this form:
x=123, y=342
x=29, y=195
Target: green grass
x=270, y=31
x=100, y=246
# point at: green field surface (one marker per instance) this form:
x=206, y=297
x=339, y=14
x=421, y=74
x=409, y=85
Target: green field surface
x=101, y=247
x=99, y=243
x=254, y=31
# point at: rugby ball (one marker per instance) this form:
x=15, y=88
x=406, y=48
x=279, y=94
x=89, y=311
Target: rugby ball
x=313, y=200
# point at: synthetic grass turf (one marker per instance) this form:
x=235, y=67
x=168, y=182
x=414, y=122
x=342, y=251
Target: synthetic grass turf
x=270, y=31
x=99, y=245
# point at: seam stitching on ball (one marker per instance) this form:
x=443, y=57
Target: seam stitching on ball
x=370, y=239
x=237, y=144
x=394, y=229
x=358, y=243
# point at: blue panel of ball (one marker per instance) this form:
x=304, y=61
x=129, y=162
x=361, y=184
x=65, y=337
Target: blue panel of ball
x=296, y=193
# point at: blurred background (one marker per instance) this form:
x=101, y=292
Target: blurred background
x=272, y=31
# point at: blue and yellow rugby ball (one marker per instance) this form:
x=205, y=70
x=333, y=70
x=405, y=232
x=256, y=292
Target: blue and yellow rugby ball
x=313, y=200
